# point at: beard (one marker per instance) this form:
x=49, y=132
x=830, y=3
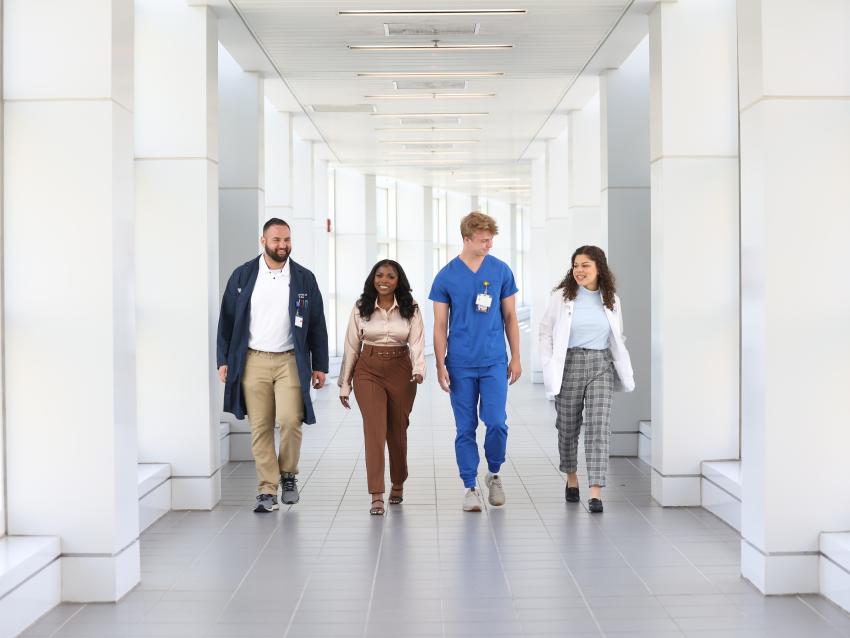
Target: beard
x=276, y=257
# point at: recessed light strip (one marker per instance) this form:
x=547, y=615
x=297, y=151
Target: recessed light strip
x=427, y=141
x=432, y=129
x=430, y=47
x=426, y=153
x=430, y=74
x=427, y=115
x=430, y=96
x=432, y=12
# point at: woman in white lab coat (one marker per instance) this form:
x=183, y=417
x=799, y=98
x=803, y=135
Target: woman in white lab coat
x=584, y=357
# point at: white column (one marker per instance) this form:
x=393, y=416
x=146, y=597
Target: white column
x=414, y=245
x=587, y=225
x=558, y=235
x=694, y=243
x=70, y=344
x=550, y=245
x=795, y=163
x=278, y=163
x=320, y=264
x=538, y=295
x=2, y=355
x=176, y=139
x=515, y=246
x=624, y=100
x=303, y=215
x=356, y=246
x=241, y=196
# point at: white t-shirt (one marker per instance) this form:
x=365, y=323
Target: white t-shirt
x=270, y=329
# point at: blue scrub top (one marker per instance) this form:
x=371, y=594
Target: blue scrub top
x=476, y=339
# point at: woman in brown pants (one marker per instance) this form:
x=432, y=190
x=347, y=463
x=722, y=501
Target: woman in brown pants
x=385, y=359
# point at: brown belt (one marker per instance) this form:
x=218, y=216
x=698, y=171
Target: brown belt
x=384, y=352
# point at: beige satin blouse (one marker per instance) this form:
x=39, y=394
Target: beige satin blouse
x=383, y=328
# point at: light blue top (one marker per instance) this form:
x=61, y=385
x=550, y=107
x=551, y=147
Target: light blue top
x=589, y=327
x=476, y=339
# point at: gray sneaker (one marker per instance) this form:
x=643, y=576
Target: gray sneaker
x=496, y=494
x=266, y=503
x=471, y=500
x=289, y=488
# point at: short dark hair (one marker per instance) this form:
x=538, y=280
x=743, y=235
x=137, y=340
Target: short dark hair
x=274, y=221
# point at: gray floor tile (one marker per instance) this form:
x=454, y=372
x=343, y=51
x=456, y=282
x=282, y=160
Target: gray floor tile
x=536, y=567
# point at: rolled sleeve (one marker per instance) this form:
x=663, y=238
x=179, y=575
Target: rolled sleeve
x=350, y=355
x=416, y=343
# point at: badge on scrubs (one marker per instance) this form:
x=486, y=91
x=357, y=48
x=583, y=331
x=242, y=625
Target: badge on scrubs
x=299, y=306
x=483, y=300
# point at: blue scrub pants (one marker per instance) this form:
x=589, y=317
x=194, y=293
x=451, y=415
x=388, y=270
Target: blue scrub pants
x=485, y=390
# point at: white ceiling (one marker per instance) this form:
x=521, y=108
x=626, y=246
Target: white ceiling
x=307, y=41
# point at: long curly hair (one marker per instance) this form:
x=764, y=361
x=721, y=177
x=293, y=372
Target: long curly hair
x=366, y=303
x=607, y=283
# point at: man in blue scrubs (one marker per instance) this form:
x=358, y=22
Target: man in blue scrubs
x=474, y=308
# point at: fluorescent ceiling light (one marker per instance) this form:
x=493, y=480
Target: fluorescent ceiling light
x=426, y=115
x=429, y=96
x=431, y=12
x=444, y=161
x=427, y=141
x=427, y=130
x=490, y=180
x=432, y=74
x=427, y=153
x=430, y=47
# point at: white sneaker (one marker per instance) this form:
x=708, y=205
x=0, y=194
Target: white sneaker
x=496, y=496
x=471, y=501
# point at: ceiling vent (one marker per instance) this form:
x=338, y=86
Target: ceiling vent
x=430, y=121
x=429, y=30
x=430, y=85
x=343, y=108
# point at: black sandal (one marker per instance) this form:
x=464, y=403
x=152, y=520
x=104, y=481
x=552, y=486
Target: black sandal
x=396, y=495
x=377, y=510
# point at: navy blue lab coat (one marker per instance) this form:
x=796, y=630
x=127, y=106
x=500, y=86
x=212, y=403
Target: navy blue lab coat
x=311, y=340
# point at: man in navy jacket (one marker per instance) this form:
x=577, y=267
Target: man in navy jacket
x=272, y=346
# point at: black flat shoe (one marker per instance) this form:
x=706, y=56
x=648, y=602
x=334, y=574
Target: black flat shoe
x=572, y=494
x=594, y=505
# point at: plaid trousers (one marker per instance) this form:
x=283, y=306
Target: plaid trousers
x=588, y=387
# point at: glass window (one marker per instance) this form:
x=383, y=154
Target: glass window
x=381, y=212
x=442, y=237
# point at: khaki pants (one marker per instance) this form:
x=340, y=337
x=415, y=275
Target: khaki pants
x=385, y=396
x=273, y=393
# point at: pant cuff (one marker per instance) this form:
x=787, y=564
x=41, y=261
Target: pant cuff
x=494, y=469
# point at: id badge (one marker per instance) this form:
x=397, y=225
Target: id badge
x=299, y=321
x=483, y=302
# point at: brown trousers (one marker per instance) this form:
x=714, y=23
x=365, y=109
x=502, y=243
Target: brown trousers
x=385, y=396
x=273, y=393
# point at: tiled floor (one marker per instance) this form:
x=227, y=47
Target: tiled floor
x=536, y=567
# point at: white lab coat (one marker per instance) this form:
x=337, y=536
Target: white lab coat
x=554, y=338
